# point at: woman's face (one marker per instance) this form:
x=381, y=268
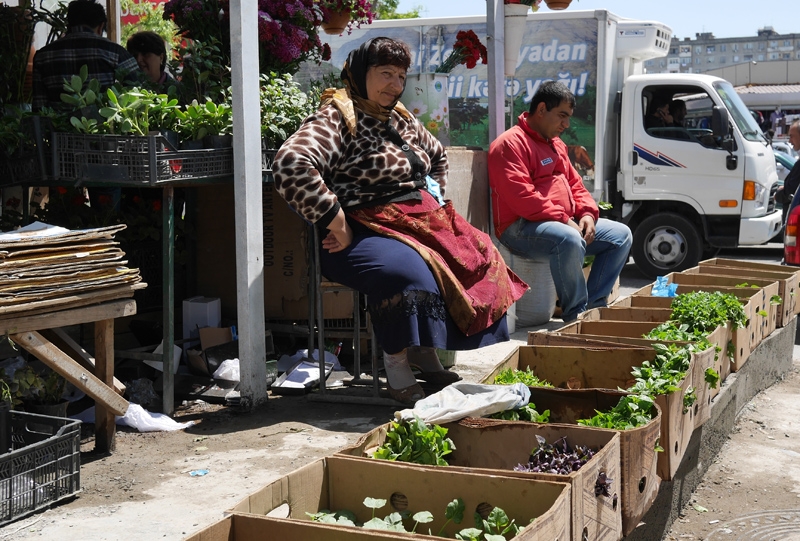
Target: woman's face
x=150, y=64
x=385, y=84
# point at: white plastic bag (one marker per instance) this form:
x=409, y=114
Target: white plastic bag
x=463, y=399
x=139, y=418
x=228, y=370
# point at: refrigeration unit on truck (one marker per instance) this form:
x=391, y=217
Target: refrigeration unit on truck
x=684, y=191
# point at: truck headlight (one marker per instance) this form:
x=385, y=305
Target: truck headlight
x=753, y=191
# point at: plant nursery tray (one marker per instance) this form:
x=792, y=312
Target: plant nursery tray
x=43, y=465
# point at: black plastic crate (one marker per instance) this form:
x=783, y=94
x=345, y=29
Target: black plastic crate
x=43, y=467
x=133, y=160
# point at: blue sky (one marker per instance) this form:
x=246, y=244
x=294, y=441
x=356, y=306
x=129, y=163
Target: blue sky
x=724, y=18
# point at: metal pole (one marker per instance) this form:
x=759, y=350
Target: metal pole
x=495, y=42
x=248, y=202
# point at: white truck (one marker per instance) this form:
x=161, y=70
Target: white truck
x=685, y=191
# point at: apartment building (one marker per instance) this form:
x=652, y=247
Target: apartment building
x=705, y=53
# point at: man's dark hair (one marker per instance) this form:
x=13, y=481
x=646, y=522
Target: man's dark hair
x=552, y=93
x=388, y=52
x=85, y=13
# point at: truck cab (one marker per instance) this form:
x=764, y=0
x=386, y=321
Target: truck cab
x=688, y=188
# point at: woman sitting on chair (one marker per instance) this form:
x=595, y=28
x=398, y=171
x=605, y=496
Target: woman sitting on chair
x=357, y=169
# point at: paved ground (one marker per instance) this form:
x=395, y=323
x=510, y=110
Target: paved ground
x=145, y=490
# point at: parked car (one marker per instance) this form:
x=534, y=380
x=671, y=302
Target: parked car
x=785, y=147
x=784, y=163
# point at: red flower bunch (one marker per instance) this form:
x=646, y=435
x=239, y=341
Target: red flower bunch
x=467, y=50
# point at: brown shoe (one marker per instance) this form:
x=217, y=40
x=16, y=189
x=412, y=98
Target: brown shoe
x=408, y=395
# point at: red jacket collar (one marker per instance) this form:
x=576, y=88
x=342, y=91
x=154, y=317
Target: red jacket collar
x=535, y=135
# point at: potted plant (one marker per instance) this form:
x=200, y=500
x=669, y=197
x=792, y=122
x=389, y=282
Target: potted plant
x=37, y=392
x=339, y=16
x=283, y=108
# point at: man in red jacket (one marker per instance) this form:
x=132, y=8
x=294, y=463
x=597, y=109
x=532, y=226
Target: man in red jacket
x=542, y=211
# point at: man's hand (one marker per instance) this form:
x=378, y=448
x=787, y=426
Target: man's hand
x=340, y=235
x=586, y=227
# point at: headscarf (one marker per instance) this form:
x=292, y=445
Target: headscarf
x=354, y=94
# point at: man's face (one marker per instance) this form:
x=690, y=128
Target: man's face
x=551, y=123
x=794, y=137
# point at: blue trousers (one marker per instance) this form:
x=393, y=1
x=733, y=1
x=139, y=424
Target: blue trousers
x=564, y=248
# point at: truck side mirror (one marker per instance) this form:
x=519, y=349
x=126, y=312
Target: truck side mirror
x=719, y=121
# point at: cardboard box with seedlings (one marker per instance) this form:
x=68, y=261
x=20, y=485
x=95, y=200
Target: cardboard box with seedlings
x=496, y=447
x=763, y=315
x=639, y=480
x=701, y=360
x=617, y=313
x=722, y=337
x=610, y=367
x=788, y=280
x=340, y=483
x=742, y=339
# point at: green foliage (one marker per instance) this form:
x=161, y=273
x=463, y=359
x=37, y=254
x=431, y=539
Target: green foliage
x=672, y=330
x=204, y=69
x=283, y=107
x=527, y=412
x=387, y=9
x=494, y=528
x=27, y=386
x=689, y=398
x=417, y=442
x=712, y=378
x=631, y=411
x=705, y=311
x=509, y=376
x=151, y=18
x=775, y=299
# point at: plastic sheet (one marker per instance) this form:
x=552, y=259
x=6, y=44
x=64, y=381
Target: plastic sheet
x=464, y=399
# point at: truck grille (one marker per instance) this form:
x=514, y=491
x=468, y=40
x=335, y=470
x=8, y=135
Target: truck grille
x=771, y=202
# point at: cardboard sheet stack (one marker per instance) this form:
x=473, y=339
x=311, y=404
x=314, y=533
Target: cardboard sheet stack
x=44, y=268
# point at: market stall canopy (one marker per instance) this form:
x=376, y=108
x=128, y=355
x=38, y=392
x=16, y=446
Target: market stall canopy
x=770, y=96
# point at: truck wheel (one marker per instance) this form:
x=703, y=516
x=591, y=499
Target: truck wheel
x=665, y=243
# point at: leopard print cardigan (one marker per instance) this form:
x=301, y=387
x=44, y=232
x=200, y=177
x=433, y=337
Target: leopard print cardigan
x=322, y=167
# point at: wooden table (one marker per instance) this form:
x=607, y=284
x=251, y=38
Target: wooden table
x=41, y=336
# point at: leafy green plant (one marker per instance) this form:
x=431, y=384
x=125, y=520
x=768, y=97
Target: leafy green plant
x=283, y=107
x=705, y=311
x=775, y=299
x=509, y=376
x=631, y=411
x=712, y=378
x=127, y=112
x=416, y=441
x=493, y=528
x=527, y=412
x=27, y=386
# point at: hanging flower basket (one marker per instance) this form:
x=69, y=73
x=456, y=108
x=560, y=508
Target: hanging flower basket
x=558, y=4
x=336, y=22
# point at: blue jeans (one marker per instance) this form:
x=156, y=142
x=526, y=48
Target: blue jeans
x=563, y=247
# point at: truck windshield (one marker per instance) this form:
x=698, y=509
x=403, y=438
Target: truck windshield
x=738, y=112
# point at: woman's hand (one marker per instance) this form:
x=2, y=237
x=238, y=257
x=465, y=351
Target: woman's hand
x=340, y=236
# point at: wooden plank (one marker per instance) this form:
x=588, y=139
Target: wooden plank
x=65, y=343
x=104, y=421
x=63, y=318
x=74, y=373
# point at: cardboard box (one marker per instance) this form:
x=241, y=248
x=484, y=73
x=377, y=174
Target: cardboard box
x=200, y=312
x=477, y=442
x=701, y=361
x=639, y=480
x=764, y=313
x=618, y=313
x=742, y=339
x=789, y=289
x=609, y=368
x=340, y=482
x=286, y=278
x=720, y=337
x=253, y=528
